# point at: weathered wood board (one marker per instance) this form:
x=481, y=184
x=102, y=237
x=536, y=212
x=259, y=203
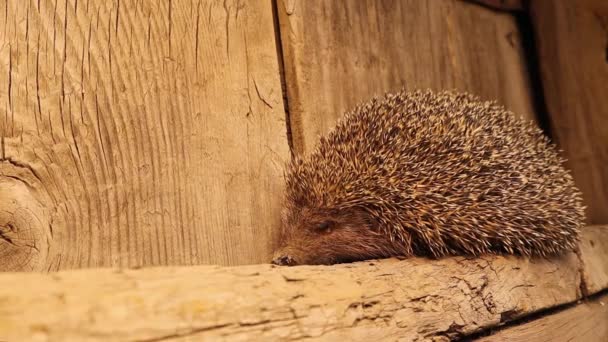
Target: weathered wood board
x=572, y=39
x=594, y=256
x=339, y=53
x=138, y=133
x=505, y=5
x=377, y=300
x=585, y=322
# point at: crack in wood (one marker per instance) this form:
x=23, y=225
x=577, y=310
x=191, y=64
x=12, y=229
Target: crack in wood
x=5, y=237
x=281, y=61
x=515, y=319
x=190, y=332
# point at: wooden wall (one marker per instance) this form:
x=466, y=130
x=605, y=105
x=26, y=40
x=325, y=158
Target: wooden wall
x=138, y=133
x=572, y=38
x=339, y=53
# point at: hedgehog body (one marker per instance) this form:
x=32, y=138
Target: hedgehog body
x=431, y=174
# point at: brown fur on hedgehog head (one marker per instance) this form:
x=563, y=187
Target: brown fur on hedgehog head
x=318, y=236
x=317, y=232
x=432, y=174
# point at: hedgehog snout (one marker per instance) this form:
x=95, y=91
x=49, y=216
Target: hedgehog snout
x=284, y=260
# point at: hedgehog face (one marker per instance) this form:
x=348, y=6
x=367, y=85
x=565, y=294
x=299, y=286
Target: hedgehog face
x=316, y=237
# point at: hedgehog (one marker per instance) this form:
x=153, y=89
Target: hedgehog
x=428, y=174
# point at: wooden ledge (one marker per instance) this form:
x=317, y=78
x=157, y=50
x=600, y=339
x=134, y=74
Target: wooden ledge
x=583, y=322
x=594, y=257
x=410, y=299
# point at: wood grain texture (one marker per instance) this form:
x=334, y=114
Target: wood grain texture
x=505, y=5
x=586, y=322
x=594, y=256
x=340, y=53
x=413, y=299
x=572, y=39
x=138, y=133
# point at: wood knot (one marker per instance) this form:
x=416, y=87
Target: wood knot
x=24, y=226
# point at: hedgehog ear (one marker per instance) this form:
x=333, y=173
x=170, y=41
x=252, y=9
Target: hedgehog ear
x=368, y=218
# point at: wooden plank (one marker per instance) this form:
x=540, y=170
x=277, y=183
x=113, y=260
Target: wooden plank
x=340, y=53
x=585, y=322
x=504, y=5
x=138, y=133
x=572, y=48
x=389, y=299
x=594, y=256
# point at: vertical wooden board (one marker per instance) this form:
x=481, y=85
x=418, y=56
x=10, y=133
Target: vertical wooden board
x=504, y=5
x=594, y=257
x=572, y=39
x=339, y=53
x=138, y=133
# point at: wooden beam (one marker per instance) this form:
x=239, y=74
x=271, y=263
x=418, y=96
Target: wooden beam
x=340, y=53
x=594, y=256
x=584, y=322
x=138, y=133
x=572, y=39
x=410, y=299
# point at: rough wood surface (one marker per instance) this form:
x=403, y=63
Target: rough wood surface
x=506, y=5
x=594, y=256
x=586, y=322
x=138, y=133
x=410, y=299
x=339, y=53
x=572, y=39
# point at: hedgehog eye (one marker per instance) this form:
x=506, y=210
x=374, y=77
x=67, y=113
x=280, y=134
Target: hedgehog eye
x=325, y=227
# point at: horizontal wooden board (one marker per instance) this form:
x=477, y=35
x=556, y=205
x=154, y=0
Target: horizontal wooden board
x=138, y=133
x=585, y=322
x=573, y=55
x=594, y=256
x=340, y=53
x=411, y=299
